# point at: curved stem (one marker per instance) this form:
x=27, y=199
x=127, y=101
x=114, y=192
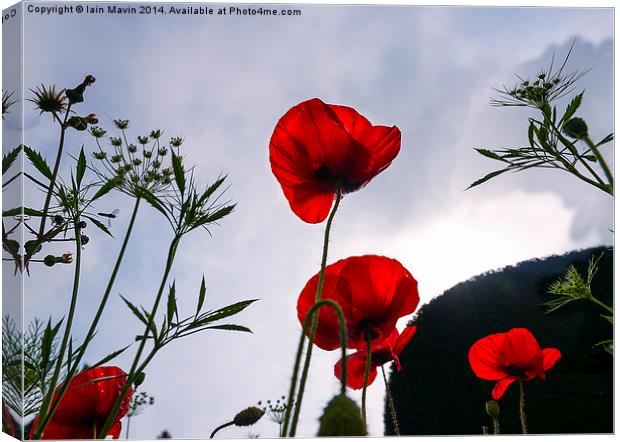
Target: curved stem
x=221, y=427
x=312, y=314
x=93, y=326
x=602, y=162
x=136, y=360
x=522, y=408
x=602, y=305
x=366, y=373
x=45, y=407
x=319, y=291
x=50, y=190
x=390, y=403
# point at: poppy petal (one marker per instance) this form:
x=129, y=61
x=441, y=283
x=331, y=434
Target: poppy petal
x=403, y=339
x=501, y=387
x=550, y=357
x=485, y=357
x=384, y=145
x=356, y=370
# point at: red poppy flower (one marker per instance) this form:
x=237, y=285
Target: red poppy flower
x=85, y=406
x=373, y=292
x=509, y=357
x=317, y=147
x=382, y=353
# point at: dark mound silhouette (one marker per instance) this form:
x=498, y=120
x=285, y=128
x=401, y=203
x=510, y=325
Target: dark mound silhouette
x=437, y=393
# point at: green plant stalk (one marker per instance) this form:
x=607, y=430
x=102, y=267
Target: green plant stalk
x=602, y=162
x=93, y=326
x=133, y=370
x=522, y=408
x=495, y=425
x=601, y=304
x=221, y=427
x=45, y=407
x=390, y=403
x=313, y=313
x=50, y=191
x=366, y=373
x=319, y=291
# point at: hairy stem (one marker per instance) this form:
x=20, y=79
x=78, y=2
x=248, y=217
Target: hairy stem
x=45, y=407
x=522, y=408
x=390, y=403
x=50, y=190
x=319, y=291
x=93, y=327
x=366, y=373
x=136, y=361
x=312, y=313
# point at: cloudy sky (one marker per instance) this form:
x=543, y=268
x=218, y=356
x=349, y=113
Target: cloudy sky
x=222, y=83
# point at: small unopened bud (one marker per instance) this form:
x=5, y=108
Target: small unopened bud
x=147, y=154
x=143, y=140
x=342, y=417
x=248, y=417
x=162, y=152
x=82, y=224
x=92, y=119
x=132, y=148
x=492, y=408
x=155, y=134
x=97, y=132
x=115, y=141
x=576, y=128
x=49, y=260
x=121, y=124
x=139, y=379
x=176, y=141
x=84, y=239
x=78, y=123
x=58, y=219
x=89, y=80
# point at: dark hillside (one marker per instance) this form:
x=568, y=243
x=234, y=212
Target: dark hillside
x=437, y=393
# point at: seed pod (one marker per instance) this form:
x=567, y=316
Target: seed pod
x=248, y=417
x=342, y=417
x=49, y=260
x=492, y=408
x=139, y=379
x=576, y=128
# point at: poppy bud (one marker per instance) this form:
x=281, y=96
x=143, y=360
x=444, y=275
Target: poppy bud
x=92, y=119
x=248, y=417
x=139, y=379
x=342, y=417
x=32, y=247
x=132, y=148
x=82, y=224
x=492, y=409
x=58, y=219
x=78, y=123
x=49, y=260
x=576, y=128
x=84, y=239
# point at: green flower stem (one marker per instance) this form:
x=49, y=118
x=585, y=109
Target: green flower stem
x=134, y=366
x=93, y=327
x=220, y=428
x=522, y=408
x=602, y=305
x=50, y=190
x=602, y=162
x=319, y=291
x=313, y=313
x=45, y=407
x=390, y=403
x=366, y=373
x=495, y=425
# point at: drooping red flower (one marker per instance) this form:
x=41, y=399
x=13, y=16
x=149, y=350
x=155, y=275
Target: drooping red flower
x=373, y=292
x=509, y=357
x=85, y=406
x=317, y=147
x=382, y=353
